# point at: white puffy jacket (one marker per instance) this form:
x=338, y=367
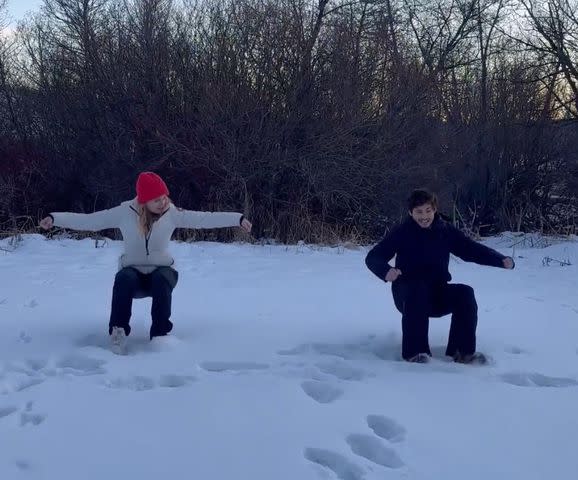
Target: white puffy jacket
x=140, y=252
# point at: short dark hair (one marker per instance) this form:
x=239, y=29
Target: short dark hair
x=421, y=197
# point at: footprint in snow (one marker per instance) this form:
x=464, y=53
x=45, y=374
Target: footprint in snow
x=565, y=305
x=80, y=365
x=136, y=383
x=24, y=337
x=374, y=450
x=386, y=428
x=6, y=411
x=300, y=371
x=16, y=381
x=28, y=417
x=31, y=304
x=139, y=383
x=321, y=392
x=175, y=381
x=237, y=367
x=342, y=370
x=537, y=380
x=536, y=299
x=23, y=464
x=35, y=364
x=27, y=367
x=346, y=352
x=514, y=350
x=299, y=350
x=343, y=468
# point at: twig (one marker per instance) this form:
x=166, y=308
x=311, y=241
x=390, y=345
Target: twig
x=548, y=260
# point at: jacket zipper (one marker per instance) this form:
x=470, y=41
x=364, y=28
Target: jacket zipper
x=147, y=236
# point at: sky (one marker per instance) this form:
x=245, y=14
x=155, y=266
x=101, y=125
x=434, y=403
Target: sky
x=17, y=9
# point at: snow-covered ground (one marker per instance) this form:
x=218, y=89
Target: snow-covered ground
x=283, y=365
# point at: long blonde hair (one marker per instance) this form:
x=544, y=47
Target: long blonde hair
x=146, y=218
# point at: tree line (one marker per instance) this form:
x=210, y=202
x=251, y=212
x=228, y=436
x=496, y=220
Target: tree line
x=313, y=117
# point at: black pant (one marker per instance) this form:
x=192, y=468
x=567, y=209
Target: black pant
x=419, y=300
x=130, y=283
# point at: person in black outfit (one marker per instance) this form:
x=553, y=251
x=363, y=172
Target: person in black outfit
x=420, y=279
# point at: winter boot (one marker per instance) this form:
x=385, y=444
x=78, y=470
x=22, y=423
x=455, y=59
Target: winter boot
x=419, y=358
x=118, y=341
x=476, y=358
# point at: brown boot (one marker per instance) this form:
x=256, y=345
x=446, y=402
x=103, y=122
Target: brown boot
x=476, y=358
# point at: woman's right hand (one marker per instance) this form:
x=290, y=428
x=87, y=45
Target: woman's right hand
x=46, y=223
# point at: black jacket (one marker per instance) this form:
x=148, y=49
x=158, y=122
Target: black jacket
x=424, y=253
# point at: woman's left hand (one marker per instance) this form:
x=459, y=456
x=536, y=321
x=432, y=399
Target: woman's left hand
x=246, y=225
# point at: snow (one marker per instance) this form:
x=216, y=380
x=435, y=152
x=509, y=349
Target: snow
x=284, y=364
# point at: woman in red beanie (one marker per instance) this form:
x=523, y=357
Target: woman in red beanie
x=147, y=223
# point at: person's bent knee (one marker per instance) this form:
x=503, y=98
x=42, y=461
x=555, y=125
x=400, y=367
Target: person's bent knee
x=466, y=296
x=126, y=275
x=164, y=275
x=467, y=292
x=410, y=295
x=417, y=290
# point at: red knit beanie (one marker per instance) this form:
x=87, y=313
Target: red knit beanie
x=150, y=186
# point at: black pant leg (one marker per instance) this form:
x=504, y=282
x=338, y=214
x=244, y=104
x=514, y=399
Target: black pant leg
x=413, y=299
x=460, y=301
x=126, y=283
x=162, y=282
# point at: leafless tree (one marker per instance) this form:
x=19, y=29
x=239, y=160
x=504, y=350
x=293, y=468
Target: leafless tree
x=314, y=117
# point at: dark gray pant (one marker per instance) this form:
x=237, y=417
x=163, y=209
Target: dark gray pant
x=419, y=300
x=129, y=283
